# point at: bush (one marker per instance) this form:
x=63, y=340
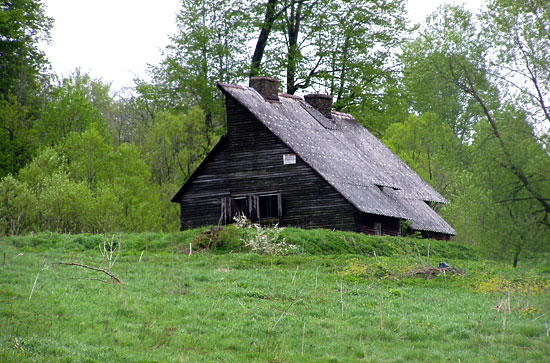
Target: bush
x=17, y=207
x=267, y=240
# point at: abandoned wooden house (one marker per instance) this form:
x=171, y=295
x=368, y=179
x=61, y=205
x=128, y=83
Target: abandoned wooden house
x=294, y=161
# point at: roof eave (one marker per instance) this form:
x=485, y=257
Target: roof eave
x=215, y=150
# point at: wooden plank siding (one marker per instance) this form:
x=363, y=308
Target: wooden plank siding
x=389, y=226
x=250, y=160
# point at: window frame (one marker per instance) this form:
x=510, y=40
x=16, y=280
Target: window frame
x=229, y=204
x=279, y=208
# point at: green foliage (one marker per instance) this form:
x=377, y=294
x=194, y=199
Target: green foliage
x=449, y=47
x=18, y=207
x=48, y=162
x=85, y=185
x=518, y=32
x=76, y=103
x=139, y=197
x=339, y=47
x=209, y=47
x=464, y=70
x=489, y=208
x=65, y=206
x=388, y=108
x=426, y=145
x=335, y=46
x=23, y=25
x=87, y=154
x=16, y=142
x=175, y=145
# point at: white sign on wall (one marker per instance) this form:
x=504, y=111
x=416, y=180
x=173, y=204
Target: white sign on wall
x=289, y=159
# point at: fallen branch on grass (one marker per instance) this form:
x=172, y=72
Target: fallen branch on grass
x=429, y=272
x=113, y=277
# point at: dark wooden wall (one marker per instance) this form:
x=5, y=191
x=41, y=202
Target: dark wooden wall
x=436, y=235
x=389, y=225
x=250, y=160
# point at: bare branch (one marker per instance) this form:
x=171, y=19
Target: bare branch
x=533, y=77
x=113, y=277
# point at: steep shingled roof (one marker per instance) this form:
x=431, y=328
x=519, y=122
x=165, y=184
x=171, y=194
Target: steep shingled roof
x=348, y=157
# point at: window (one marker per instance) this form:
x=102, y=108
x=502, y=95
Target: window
x=269, y=205
x=240, y=206
x=253, y=206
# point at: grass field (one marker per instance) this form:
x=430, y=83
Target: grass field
x=234, y=306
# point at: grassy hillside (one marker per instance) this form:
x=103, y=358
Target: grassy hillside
x=337, y=297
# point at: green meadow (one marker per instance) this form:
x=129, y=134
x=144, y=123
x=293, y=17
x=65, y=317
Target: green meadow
x=337, y=297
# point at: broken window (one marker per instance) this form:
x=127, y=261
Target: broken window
x=253, y=206
x=240, y=206
x=270, y=205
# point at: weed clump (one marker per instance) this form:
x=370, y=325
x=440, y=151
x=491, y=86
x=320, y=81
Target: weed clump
x=223, y=239
x=263, y=240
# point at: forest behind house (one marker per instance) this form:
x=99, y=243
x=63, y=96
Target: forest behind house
x=463, y=99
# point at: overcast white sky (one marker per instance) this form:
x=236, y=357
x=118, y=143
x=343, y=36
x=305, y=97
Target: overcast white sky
x=115, y=39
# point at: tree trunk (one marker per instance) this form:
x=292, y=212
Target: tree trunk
x=269, y=19
x=292, y=55
x=343, y=74
x=516, y=257
x=516, y=170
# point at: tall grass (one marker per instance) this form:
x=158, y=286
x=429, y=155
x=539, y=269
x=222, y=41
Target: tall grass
x=235, y=306
x=231, y=239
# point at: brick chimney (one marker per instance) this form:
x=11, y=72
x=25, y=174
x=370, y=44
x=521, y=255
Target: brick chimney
x=320, y=102
x=267, y=87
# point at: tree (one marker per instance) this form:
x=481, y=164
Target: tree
x=428, y=146
x=518, y=31
x=140, y=201
x=271, y=15
x=17, y=207
x=343, y=48
x=65, y=206
x=339, y=47
x=175, y=145
x=210, y=46
x=87, y=155
x=450, y=39
x=75, y=103
x=16, y=141
x=23, y=25
x=84, y=184
x=510, y=164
